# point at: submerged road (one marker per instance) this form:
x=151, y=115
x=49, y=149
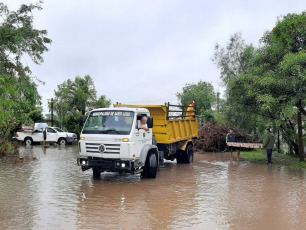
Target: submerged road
x=212, y=193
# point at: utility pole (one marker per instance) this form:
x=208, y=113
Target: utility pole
x=51, y=111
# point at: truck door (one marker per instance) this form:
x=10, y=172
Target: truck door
x=51, y=135
x=142, y=136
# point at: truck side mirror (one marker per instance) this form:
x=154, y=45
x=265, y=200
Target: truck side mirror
x=81, y=121
x=150, y=122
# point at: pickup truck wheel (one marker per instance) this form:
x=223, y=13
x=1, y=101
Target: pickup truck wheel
x=96, y=173
x=62, y=141
x=28, y=141
x=150, y=168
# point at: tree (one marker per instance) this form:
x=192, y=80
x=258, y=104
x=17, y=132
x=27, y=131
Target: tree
x=282, y=71
x=273, y=87
x=202, y=93
x=19, y=100
x=74, y=98
x=234, y=59
x=103, y=102
x=19, y=38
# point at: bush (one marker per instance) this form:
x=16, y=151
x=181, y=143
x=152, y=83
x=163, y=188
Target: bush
x=212, y=137
x=8, y=148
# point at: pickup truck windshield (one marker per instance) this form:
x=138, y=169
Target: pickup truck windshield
x=58, y=130
x=109, y=122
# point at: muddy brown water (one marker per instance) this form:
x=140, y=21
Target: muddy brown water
x=212, y=193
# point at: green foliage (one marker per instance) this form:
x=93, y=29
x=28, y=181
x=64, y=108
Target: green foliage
x=7, y=148
x=19, y=38
x=74, y=98
x=19, y=98
x=202, y=93
x=234, y=59
x=103, y=102
x=272, y=90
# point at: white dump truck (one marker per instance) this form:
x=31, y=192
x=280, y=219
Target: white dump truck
x=36, y=132
x=113, y=140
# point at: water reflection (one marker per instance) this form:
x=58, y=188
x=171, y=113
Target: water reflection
x=212, y=193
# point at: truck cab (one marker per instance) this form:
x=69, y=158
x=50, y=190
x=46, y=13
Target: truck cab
x=112, y=140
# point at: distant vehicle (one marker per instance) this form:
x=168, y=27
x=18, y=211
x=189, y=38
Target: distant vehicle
x=35, y=134
x=113, y=141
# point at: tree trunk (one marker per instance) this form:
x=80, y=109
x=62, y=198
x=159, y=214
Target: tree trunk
x=300, y=132
x=278, y=141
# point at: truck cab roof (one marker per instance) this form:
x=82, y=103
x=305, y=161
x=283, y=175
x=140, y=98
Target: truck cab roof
x=139, y=110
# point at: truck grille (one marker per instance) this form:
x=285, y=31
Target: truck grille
x=109, y=148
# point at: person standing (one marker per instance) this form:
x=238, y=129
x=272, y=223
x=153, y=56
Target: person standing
x=190, y=111
x=231, y=137
x=269, y=145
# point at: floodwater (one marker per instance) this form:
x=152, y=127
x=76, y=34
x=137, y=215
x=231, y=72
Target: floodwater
x=212, y=193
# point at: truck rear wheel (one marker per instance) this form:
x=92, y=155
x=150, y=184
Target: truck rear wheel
x=186, y=156
x=96, y=173
x=150, y=168
x=28, y=141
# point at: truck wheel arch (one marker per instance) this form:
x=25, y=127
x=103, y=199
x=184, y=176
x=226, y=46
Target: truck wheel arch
x=145, y=151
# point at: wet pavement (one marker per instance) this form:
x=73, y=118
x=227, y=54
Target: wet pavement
x=212, y=193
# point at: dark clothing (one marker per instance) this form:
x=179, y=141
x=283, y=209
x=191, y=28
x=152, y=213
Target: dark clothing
x=231, y=137
x=45, y=134
x=269, y=155
x=232, y=149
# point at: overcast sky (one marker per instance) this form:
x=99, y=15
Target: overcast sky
x=140, y=51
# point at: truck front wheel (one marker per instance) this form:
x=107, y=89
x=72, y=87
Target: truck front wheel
x=28, y=141
x=150, y=168
x=96, y=173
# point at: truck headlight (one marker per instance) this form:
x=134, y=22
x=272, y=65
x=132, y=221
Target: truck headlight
x=123, y=165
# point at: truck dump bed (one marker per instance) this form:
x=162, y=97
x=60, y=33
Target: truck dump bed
x=168, y=128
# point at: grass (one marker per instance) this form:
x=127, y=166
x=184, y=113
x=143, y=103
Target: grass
x=279, y=160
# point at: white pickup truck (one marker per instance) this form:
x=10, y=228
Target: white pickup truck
x=53, y=134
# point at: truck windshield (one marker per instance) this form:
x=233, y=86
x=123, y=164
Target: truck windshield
x=109, y=122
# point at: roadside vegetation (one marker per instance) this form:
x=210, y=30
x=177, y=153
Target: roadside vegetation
x=73, y=98
x=278, y=159
x=266, y=85
x=20, y=101
x=265, y=88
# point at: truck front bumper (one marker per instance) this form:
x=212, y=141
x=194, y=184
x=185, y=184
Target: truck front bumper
x=106, y=165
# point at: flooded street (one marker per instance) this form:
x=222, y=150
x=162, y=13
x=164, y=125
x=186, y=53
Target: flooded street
x=212, y=193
